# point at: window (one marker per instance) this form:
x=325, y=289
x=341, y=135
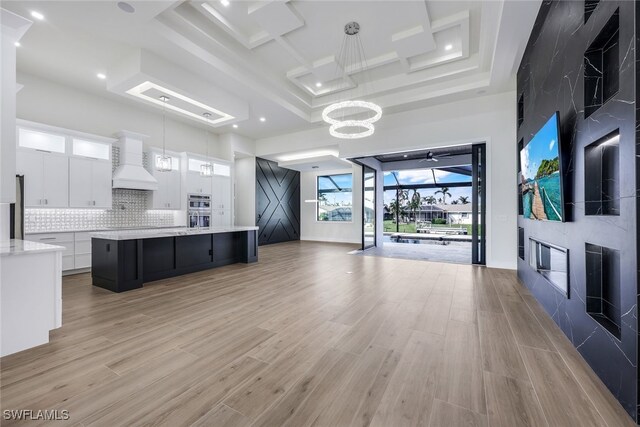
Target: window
x=223, y=170
x=41, y=141
x=195, y=164
x=95, y=150
x=335, y=197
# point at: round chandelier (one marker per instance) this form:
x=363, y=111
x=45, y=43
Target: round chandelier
x=348, y=114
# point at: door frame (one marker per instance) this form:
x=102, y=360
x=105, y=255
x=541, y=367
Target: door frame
x=375, y=207
x=479, y=204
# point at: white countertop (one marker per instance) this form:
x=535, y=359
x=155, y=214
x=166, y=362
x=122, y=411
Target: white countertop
x=25, y=247
x=151, y=233
x=93, y=230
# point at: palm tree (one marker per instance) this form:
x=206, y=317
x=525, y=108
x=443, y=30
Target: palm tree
x=445, y=192
x=403, y=202
x=396, y=209
x=414, y=204
x=454, y=202
x=464, y=200
x=430, y=200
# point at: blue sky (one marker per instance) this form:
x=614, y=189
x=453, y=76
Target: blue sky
x=544, y=145
x=343, y=181
x=424, y=176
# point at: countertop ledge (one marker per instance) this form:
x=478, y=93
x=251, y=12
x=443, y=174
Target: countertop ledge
x=25, y=247
x=95, y=230
x=166, y=232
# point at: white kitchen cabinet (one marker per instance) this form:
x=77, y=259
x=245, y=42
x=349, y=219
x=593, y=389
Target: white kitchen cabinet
x=101, y=182
x=46, y=178
x=168, y=195
x=221, y=217
x=221, y=195
x=198, y=184
x=169, y=192
x=65, y=240
x=82, y=250
x=89, y=183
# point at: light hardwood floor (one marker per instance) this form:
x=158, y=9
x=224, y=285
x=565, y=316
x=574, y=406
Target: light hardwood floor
x=311, y=336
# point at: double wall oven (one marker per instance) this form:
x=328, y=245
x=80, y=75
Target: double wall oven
x=199, y=211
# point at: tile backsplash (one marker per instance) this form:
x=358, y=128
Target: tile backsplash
x=129, y=209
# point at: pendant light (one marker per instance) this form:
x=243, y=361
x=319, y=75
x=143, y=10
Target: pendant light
x=163, y=163
x=351, y=60
x=206, y=169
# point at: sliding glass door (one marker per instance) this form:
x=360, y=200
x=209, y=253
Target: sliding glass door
x=368, y=207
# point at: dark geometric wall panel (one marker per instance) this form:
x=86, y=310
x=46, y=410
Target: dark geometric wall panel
x=587, y=72
x=277, y=203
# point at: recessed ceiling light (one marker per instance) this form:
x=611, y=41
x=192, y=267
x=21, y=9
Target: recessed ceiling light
x=17, y=44
x=318, y=84
x=405, y=156
x=37, y=15
x=101, y=76
x=126, y=7
x=448, y=47
x=235, y=126
x=140, y=92
x=225, y=3
x=262, y=119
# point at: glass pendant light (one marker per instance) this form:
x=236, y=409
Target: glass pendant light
x=206, y=169
x=163, y=163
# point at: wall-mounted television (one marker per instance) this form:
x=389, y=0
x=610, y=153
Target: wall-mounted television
x=541, y=178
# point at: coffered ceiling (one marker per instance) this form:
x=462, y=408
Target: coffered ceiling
x=278, y=59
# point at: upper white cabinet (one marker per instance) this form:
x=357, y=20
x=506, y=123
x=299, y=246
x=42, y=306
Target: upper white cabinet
x=89, y=183
x=169, y=192
x=63, y=168
x=46, y=178
x=197, y=183
x=221, y=196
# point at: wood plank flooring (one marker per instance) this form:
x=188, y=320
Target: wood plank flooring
x=310, y=336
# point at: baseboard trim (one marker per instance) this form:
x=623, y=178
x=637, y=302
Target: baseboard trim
x=329, y=240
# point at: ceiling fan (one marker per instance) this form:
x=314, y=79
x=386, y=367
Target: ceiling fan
x=431, y=158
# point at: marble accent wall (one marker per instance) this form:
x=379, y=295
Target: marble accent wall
x=551, y=78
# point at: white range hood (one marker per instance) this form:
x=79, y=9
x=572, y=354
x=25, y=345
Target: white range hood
x=130, y=174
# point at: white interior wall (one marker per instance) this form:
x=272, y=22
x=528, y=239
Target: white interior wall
x=55, y=104
x=245, y=191
x=311, y=228
x=490, y=119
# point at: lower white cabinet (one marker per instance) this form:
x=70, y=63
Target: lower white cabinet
x=58, y=239
x=77, y=253
x=82, y=250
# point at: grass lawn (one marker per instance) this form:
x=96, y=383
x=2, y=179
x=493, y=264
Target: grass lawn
x=390, y=226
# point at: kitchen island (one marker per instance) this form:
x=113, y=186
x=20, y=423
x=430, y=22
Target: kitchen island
x=31, y=289
x=125, y=260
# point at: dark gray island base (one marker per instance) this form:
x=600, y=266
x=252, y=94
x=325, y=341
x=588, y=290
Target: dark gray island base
x=122, y=261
